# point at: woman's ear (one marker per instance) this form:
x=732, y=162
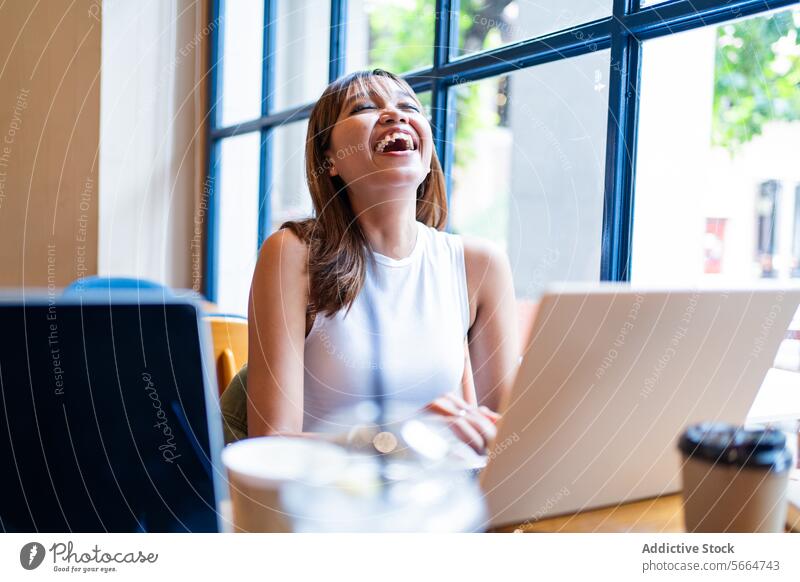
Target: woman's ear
x=330, y=165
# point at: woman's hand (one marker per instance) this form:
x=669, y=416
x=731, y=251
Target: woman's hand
x=472, y=424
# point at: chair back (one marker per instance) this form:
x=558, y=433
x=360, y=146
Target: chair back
x=229, y=336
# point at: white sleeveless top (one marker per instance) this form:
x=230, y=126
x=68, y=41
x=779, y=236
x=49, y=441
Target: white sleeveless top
x=421, y=307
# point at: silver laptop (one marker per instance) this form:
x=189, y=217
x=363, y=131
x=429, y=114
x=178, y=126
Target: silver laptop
x=610, y=377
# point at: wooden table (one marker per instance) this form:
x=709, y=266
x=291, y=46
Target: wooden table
x=657, y=515
x=660, y=514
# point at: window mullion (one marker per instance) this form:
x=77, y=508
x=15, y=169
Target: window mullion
x=267, y=99
x=338, y=40
x=442, y=105
x=680, y=15
x=623, y=101
x=212, y=177
x=445, y=32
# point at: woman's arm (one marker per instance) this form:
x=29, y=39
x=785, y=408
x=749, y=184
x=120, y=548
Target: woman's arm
x=493, y=343
x=276, y=337
x=467, y=382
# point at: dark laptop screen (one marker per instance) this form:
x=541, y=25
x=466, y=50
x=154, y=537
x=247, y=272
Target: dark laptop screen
x=103, y=424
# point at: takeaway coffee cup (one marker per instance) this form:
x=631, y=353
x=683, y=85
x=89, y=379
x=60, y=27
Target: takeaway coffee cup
x=260, y=468
x=734, y=480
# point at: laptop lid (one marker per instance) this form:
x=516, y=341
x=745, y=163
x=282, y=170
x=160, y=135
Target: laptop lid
x=105, y=424
x=610, y=378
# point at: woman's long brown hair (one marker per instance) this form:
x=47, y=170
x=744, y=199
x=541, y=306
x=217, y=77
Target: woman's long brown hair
x=337, y=248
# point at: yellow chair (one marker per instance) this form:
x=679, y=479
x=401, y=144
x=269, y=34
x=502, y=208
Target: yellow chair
x=229, y=336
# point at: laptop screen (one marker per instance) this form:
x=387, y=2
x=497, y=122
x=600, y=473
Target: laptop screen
x=104, y=425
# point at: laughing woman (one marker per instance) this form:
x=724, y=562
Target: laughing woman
x=372, y=284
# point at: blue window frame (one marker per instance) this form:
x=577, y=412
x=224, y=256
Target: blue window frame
x=622, y=32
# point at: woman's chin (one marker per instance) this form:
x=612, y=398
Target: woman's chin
x=400, y=166
x=401, y=176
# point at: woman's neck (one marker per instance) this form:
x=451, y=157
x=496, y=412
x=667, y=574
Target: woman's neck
x=389, y=224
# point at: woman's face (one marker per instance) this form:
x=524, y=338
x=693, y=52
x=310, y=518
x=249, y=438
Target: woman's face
x=381, y=139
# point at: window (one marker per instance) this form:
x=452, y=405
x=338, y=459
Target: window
x=243, y=34
x=528, y=168
x=396, y=35
x=548, y=117
x=730, y=212
x=301, y=60
x=488, y=24
x=238, y=229
x=290, y=197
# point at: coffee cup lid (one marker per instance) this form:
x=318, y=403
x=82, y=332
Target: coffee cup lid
x=731, y=445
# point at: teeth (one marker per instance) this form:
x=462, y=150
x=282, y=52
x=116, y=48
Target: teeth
x=392, y=137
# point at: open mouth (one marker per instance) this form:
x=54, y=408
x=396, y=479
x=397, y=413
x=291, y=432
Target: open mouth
x=395, y=142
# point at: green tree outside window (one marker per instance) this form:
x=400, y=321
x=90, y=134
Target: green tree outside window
x=757, y=77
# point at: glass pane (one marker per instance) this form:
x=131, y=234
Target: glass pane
x=396, y=35
x=425, y=99
x=238, y=220
x=718, y=183
x=529, y=167
x=301, y=53
x=243, y=39
x=290, y=197
x=488, y=24
x=734, y=139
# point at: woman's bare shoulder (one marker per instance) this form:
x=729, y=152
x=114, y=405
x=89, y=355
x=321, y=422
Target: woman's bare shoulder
x=282, y=272
x=283, y=252
x=484, y=260
x=488, y=272
x=281, y=265
x=481, y=252
x=284, y=244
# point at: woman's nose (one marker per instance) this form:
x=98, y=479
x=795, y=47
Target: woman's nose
x=393, y=115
